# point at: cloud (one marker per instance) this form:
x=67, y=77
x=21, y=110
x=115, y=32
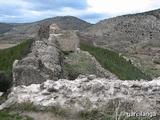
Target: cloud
x=118, y=7
x=89, y=10
x=57, y=4
x=33, y=10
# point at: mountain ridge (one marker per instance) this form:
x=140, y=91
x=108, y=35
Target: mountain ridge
x=29, y=30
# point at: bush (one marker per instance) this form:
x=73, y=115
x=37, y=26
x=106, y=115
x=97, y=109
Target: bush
x=5, y=82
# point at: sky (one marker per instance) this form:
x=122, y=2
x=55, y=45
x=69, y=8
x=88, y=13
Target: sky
x=22, y=11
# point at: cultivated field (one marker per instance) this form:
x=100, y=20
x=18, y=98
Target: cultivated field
x=5, y=45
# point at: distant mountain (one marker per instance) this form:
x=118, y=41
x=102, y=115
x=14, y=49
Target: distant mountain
x=137, y=36
x=4, y=27
x=67, y=23
x=18, y=32
x=128, y=33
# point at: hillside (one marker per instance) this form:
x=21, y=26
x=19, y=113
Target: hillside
x=30, y=30
x=116, y=64
x=5, y=27
x=137, y=36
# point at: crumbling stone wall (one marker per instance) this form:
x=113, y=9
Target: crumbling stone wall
x=44, y=62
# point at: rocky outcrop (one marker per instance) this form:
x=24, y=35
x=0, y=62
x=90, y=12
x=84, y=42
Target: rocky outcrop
x=46, y=59
x=44, y=62
x=43, y=32
x=67, y=40
x=156, y=59
x=81, y=62
x=90, y=93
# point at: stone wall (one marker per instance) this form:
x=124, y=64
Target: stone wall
x=89, y=93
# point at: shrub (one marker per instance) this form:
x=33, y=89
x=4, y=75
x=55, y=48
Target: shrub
x=5, y=82
x=4, y=115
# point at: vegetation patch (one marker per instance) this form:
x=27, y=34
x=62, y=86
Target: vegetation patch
x=116, y=64
x=6, y=115
x=107, y=112
x=57, y=110
x=113, y=110
x=99, y=115
x=7, y=57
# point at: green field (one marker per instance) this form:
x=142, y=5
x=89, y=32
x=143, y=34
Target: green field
x=116, y=64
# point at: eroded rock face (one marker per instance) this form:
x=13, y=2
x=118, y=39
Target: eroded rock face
x=67, y=39
x=44, y=62
x=85, y=93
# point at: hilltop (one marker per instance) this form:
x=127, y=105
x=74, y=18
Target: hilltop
x=17, y=32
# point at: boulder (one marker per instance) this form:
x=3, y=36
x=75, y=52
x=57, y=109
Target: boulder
x=43, y=32
x=1, y=93
x=156, y=60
